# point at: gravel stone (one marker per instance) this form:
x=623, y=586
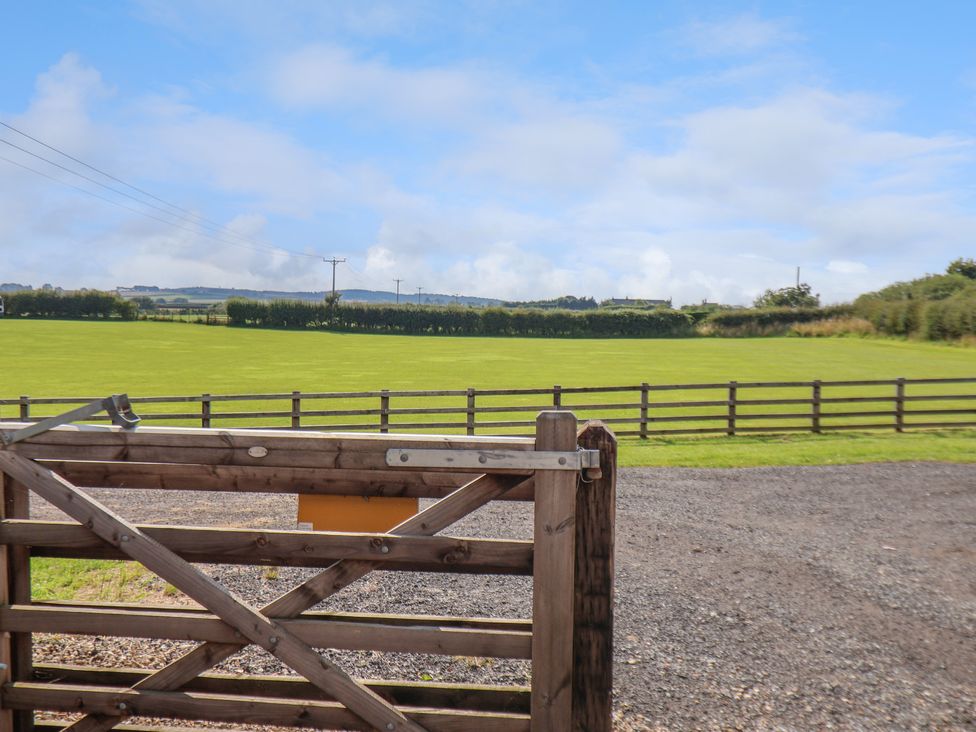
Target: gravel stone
x=786, y=598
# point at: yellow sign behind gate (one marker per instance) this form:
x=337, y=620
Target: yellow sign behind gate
x=355, y=513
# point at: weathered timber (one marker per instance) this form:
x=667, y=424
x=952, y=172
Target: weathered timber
x=285, y=548
x=219, y=708
x=315, y=632
x=236, y=447
x=593, y=610
x=519, y=625
x=553, y=583
x=251, y=624
x=430, y=521
x=472, y=697
x=6, y=652
x=16, y=499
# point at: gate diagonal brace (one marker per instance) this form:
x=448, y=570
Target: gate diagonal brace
x=249, y=622
x=118, y=407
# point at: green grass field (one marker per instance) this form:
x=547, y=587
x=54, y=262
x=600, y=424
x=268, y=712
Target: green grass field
x=58, y=358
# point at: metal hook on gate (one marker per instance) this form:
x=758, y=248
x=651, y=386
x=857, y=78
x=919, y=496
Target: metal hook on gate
x=119, y=410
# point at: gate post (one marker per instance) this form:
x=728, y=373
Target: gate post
x=17, y=647
x=593, y=621
x=553, y=579
x=6, y=656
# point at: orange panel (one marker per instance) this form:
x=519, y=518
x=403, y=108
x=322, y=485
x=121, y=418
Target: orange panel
x=355, y=513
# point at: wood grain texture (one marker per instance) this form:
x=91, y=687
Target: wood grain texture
x=433, y=519
x=248, y=622
x=469, y=697
x=553, y=586
x=593, y=615
x=317, y=632
x=282, y=548
x=239, y=709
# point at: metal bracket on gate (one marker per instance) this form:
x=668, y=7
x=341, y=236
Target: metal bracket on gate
x=118, y=407
x=498, y=459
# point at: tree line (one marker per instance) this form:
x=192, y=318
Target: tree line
x=81, y=304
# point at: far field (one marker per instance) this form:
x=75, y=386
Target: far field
x=58, y=358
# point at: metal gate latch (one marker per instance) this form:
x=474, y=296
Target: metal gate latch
x=118, y=407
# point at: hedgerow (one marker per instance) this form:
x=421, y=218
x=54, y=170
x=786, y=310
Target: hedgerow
x=414, y=320
x=83, y=304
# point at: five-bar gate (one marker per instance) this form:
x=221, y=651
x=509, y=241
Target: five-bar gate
x=568, y=475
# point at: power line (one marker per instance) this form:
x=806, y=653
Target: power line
x=99, y=170
x=96, y=182
x=137, y=211
x=200, y=221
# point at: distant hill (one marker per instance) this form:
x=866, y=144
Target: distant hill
x=210, y=295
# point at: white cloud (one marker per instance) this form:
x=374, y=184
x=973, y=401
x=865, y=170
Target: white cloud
x=329, y=76
x=550, y=152
x=846, y=267
x=286, y=20
x=538, y=193
x=734, y=36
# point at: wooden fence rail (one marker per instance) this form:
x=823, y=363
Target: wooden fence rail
x=567, y=475
x=642, y=410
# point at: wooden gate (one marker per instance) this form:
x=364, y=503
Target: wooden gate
x=569, y=475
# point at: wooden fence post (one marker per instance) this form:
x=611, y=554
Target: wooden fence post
x=733, y=391
x=205, y=410
x=593, y=616
x=553, y=579
x=470, y=413
x=385, y=411
x=16, y=505
x=645, y=402
x=296, y=410
x=24, y=408
x=815, y=404
x=557, y=396
x=900, y=405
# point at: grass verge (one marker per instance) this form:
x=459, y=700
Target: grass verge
x=837, y=448
x=93, y=580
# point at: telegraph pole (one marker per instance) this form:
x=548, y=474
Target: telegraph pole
x=334, y=261
x=398, y=281
x=419, y=290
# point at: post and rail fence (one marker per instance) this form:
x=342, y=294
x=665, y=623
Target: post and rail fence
x=641, y=410
x=566, y=475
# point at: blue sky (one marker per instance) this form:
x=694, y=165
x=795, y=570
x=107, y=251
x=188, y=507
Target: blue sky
x=512, y=149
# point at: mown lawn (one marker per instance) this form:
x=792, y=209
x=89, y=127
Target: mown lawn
x=59, y=358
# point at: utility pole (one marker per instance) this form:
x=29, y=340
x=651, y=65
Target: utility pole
x=333, y=262
x=456, y=296
x=797, y=278
x=398, y=281
x=419, y=290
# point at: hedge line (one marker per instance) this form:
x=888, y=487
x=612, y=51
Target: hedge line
x=947, y=319
x=87, y=304
x=461, y=321
x=764, y=321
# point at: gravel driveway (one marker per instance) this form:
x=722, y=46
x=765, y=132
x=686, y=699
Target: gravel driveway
x=767, y=598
